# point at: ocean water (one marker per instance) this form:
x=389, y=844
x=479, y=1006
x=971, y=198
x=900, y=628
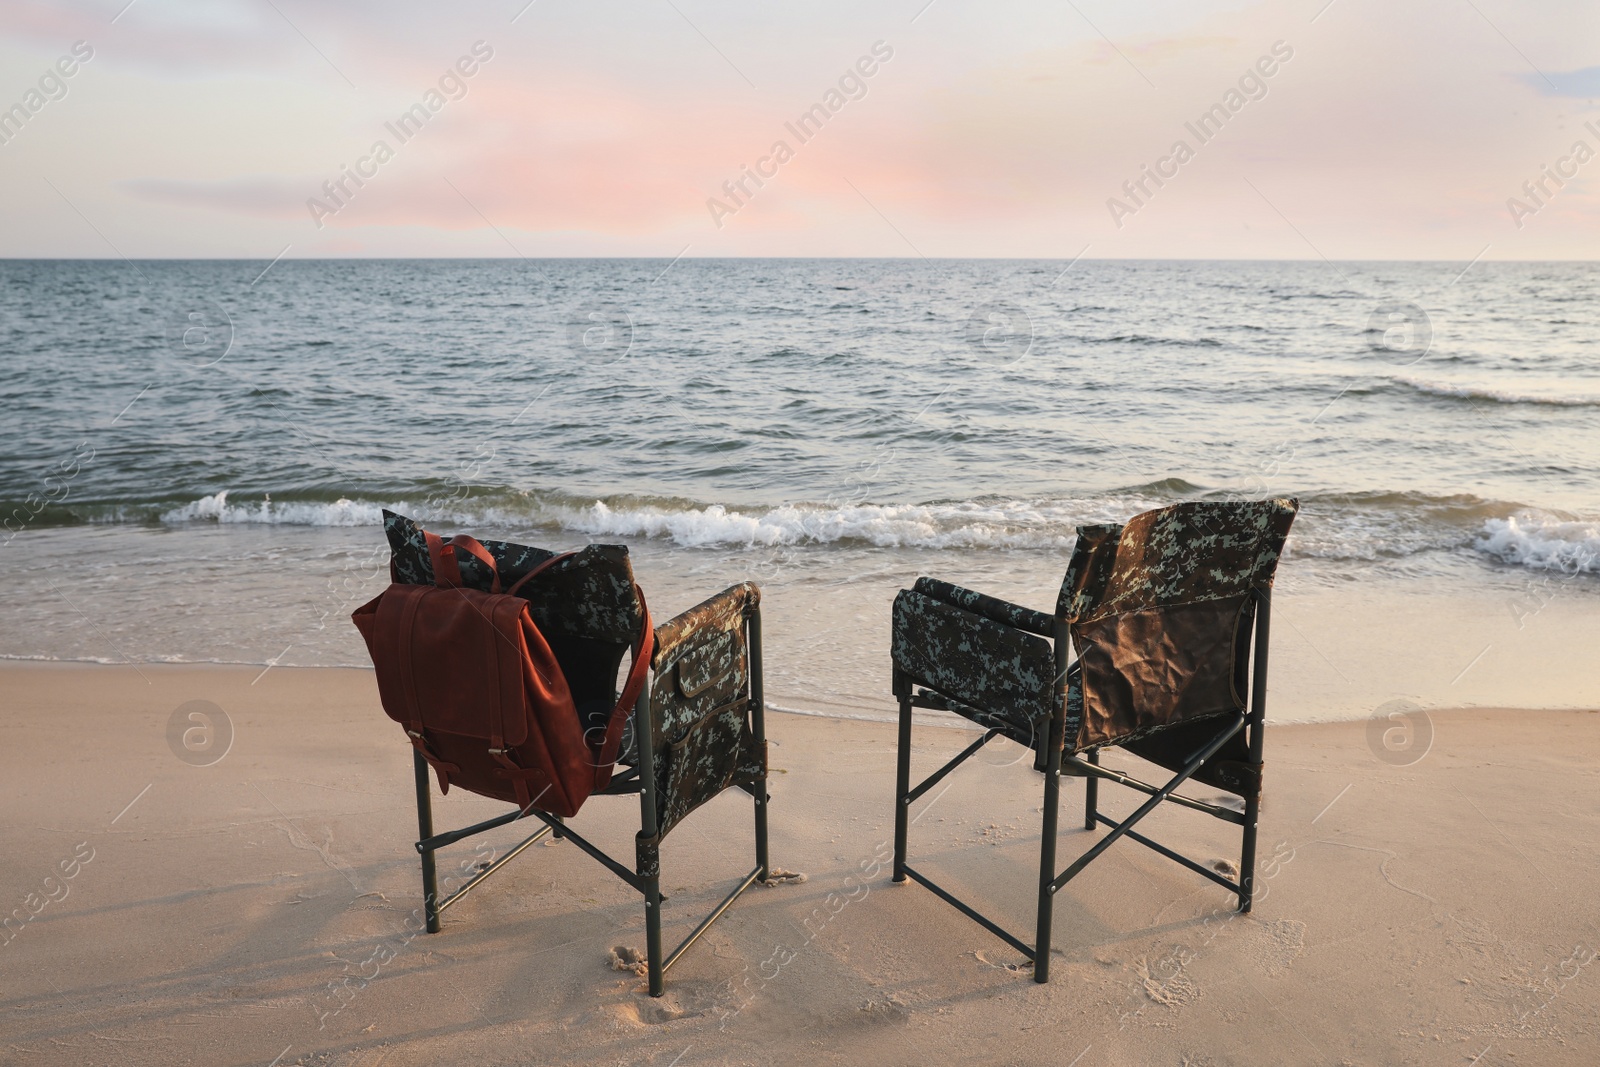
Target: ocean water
x=194, y=455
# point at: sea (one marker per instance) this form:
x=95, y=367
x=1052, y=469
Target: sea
x=194, y=455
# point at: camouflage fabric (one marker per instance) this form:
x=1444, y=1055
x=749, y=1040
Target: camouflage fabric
x=1230, y=769
x=724, y=612
x=700, y=704
x=412, y=565
x=701, y=662
x=996, y=669
x=1028, y=735
x=716, y=752
x=590, y=595
x=987, y=606
x=1160, y=612
x=1183, y=554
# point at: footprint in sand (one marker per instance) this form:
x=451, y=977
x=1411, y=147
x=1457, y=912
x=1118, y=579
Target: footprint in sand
x=627, y=958
x=1284, y=943
x=1001, y=966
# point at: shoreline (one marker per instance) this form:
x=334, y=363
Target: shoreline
x=10, y=663
x=1345, y=644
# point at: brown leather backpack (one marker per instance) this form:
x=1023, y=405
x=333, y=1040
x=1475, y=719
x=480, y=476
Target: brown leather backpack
x=479, y=692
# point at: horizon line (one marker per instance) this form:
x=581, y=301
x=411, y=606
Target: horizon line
x=911, y=259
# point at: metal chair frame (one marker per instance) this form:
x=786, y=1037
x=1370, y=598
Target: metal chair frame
x=1252, y=719
x=645, y=877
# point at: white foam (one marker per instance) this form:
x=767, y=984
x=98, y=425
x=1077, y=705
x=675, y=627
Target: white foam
x=962, y=525
x=1529, y=539
x=215, y=508
x=1498, y=396
x=1543, y=543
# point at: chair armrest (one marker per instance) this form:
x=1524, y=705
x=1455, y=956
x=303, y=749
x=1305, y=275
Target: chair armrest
x=701, y=704
x=992, y=667
x=725, y=611
x=991, y=608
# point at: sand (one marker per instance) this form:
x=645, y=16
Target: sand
x=1419, y=907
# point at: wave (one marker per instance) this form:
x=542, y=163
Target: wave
x=1457, y=391
x=1543, y=543
x=1013, y=524
x=1363, y=526
x=963, y=524
x=215, y=508
x=1153, y=341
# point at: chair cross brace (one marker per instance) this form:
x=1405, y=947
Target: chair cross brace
x=435, y=908
x=1157, y=846
x=1058, y=763
x=970, y=912
x=1126, y=825
x=1082, y=769
x=639, y=779
x=938, y=776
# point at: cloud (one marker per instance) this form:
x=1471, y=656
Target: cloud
x=1583, y=83
x=266, y=197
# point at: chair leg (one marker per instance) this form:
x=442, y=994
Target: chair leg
x=763, y=864
x=1247, y=857
x=1091, y=793
x=758, y=729
x=652, y=935
x=902, y=787
x=430, y=876
x=1258, y=720
x=1047, y=852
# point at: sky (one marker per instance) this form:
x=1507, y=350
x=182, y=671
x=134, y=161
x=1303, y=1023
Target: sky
x=1356, y=129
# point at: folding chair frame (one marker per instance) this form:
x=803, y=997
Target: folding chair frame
x=645, y=878
x=1056, y=764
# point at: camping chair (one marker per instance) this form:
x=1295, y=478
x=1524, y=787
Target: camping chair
x=697, y=727
x=1161, y=612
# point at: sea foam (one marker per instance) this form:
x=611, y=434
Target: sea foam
x=1402, y=526
x=1464, y=391
x=215, y=508
x=1543, y=543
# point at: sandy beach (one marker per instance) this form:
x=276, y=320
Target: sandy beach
x=1417, y=908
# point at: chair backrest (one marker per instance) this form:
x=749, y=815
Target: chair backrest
x=590, y=595
x=1160, y=610
x=586, y=606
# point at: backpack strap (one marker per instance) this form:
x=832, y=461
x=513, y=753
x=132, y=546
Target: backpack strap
x=499, y=751
x=509, y=768
x=446, y=574
x=413, y=709
x=475, y=547
x=605, y=752
x=643, y=650
x=446, y=568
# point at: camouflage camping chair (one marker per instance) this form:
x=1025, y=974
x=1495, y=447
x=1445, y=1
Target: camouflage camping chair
x=697, y=728
x=1169, y=618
